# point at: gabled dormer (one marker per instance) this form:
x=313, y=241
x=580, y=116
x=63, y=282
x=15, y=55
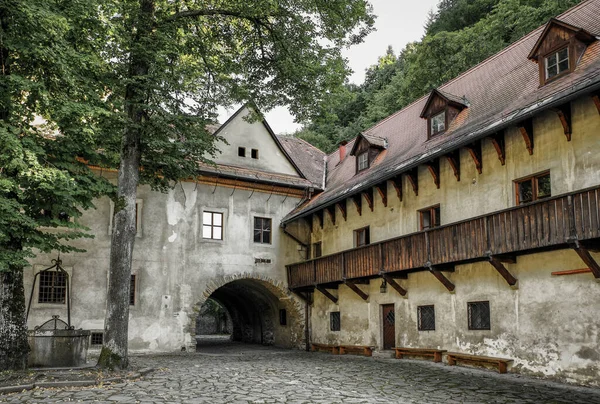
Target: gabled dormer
x=440, y=110
x=366, y=149
x=558, y=49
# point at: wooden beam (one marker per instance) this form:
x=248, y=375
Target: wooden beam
x=454, y=161
x=382, y=190
x=440, y=277
x=564, y=114
x=413, y=178
x=397, y=183
x=596, y=99
x=368, y=194
x=474, y=150
x=357, y=290
x=499, y=145
x=327, y=294
x=434, y=168
x=342, y=207
x=586, y=257
x=526, y=129
x=319, y=215
x=571, y=272
x=392, y=282
x=511, y=280
x=357, y=199
x=331, y=212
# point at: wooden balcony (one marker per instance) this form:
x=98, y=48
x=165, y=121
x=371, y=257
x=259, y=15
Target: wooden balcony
x=566, y=221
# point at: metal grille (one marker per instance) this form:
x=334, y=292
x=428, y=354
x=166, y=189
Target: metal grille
x=132, y=291
x=96, y=338
x=53, y=287
x=426, y=316
x=479, y=315
x=334, y=321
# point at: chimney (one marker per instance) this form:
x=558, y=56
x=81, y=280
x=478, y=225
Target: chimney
x=343, y=144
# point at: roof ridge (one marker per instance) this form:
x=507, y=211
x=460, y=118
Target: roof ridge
x=483, y=62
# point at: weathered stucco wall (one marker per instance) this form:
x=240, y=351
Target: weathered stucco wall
x=174, y=265
x=549, y=325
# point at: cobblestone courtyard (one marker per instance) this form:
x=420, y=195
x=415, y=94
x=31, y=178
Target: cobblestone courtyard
x=234, y=373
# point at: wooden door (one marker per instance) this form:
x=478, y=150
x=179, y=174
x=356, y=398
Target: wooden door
x=389, y=326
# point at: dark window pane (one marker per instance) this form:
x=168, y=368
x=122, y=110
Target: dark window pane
x=563, y=66
x=96, y=338
x=262, y=230
x=426, y=317
x=334, y=321
x=282, y=317
x=132, y=291
x=543, y=186
x=525, y=191
x=242, y=151
x=479, y=315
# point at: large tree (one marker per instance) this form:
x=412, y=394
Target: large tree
x=172, y=63
x=43, y=184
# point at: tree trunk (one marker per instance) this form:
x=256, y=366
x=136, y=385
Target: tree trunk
x=116, y=325
x=13, y=328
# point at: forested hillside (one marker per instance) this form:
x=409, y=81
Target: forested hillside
x=459, y=35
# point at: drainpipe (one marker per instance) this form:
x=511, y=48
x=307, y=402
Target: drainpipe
x=306, y=323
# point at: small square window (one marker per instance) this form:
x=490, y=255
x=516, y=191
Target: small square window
x=426, y=316
x=533, y=188
x=262, y=230
x=362, y=161
x=317, y=249
x=557, y=63
x=96, y=338
x=479, y=315
x=132, y=291
x=334, y=321
x=429, y=217
x=52, y=287
x=254, y=153
x=437, y=123
x=212, y=225
x=282, y=317
x=242, y=151
x=362, y=237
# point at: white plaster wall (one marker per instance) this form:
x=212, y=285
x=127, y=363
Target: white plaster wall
x=251, y=135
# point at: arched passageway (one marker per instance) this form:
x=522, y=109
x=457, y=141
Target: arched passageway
x=261, y=312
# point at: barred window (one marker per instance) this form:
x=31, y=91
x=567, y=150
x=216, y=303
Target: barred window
x=53, y=287
x=262, y=230
x=479, y=315
x=212, y=225
x=132, y=291
x=334, y=321
x=426, y=316
x=96, y=338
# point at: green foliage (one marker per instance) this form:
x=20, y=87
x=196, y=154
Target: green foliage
x=460, y=35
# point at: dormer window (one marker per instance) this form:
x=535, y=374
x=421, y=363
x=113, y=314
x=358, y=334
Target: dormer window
x=437, y=123
x=557, y=63
x=558, y=49
x=362, y=161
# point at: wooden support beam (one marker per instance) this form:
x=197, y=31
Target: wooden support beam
x=499, y=145
x=331, y=212
x=342, y=207
x=474, y=150
x=454, y=161
x=564, y=114
x=434, y=168
x=526, y=129
x=319, y=215
x=511, y=280
x=586, y=257
x=357, y=290
x=440, y=277
x=596, y=99
x=413, y=178
x=357, y=199
x=571, y=272
x=392, y=282
x=327, y=294
x=382, y=190
x=368, y=194
x=397, y=183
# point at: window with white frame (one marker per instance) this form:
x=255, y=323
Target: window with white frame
x=212, y=225
x=362, y=161
x=437, y=123
x=557, y=63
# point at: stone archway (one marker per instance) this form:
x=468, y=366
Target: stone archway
x=255, y=305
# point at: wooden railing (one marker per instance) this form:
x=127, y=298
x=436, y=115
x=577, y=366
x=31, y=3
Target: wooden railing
x=553, y=222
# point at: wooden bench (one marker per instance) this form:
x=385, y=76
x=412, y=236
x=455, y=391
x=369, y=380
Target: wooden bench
x=436, y=354
x=334, y=349
x=454, y=357
x=359, y=349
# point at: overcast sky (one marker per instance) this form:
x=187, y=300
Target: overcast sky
x=398, y=23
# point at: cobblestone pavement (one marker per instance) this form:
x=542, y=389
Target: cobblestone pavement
x=236, y=373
